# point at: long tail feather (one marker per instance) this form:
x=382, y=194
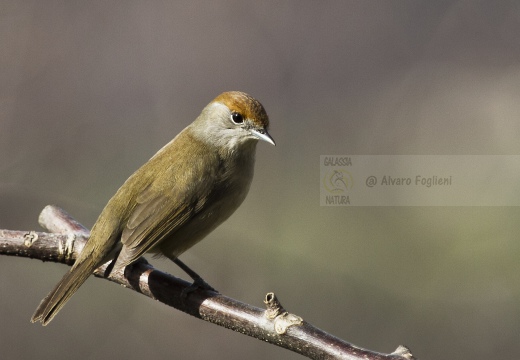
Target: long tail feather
x=59, y=296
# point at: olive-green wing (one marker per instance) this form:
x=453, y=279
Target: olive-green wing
x=171, y=197
x=155, y=216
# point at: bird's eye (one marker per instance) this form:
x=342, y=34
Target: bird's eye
x=237, y=118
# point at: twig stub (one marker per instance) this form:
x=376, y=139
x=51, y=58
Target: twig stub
x=29, y=238
x=282, y=319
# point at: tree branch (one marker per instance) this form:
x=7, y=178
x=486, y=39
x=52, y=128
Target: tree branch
x=275, y=325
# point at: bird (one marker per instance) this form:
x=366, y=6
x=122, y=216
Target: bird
x=187, y=189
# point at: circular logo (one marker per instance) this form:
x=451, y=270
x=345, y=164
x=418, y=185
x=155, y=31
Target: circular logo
x=338, y=181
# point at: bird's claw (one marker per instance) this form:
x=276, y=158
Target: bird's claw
x=198, y=284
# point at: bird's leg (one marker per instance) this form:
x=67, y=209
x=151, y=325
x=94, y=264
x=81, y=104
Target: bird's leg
x=198, y=281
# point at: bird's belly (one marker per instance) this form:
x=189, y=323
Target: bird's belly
x=196, y=229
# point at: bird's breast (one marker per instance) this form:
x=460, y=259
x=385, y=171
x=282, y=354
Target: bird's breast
x=228, y=187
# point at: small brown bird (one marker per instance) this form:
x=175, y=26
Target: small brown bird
x=179, y=196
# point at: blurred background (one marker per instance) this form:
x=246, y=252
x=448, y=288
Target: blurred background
x=90, y=90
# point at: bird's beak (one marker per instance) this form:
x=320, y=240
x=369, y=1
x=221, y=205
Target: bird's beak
x=262, y=134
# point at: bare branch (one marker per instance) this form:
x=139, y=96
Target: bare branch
x=274, y=325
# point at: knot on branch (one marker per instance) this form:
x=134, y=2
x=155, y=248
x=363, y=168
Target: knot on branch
x=282, y=318
x=29, y=238
x=404, y=352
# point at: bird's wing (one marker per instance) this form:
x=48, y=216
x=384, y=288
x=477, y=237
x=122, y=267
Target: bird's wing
x=157, y=215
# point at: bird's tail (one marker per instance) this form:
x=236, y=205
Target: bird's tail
x=59, y=296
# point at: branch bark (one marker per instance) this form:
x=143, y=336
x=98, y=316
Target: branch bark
x=66, y=238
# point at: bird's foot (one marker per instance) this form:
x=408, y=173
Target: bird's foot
x=198, y=284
